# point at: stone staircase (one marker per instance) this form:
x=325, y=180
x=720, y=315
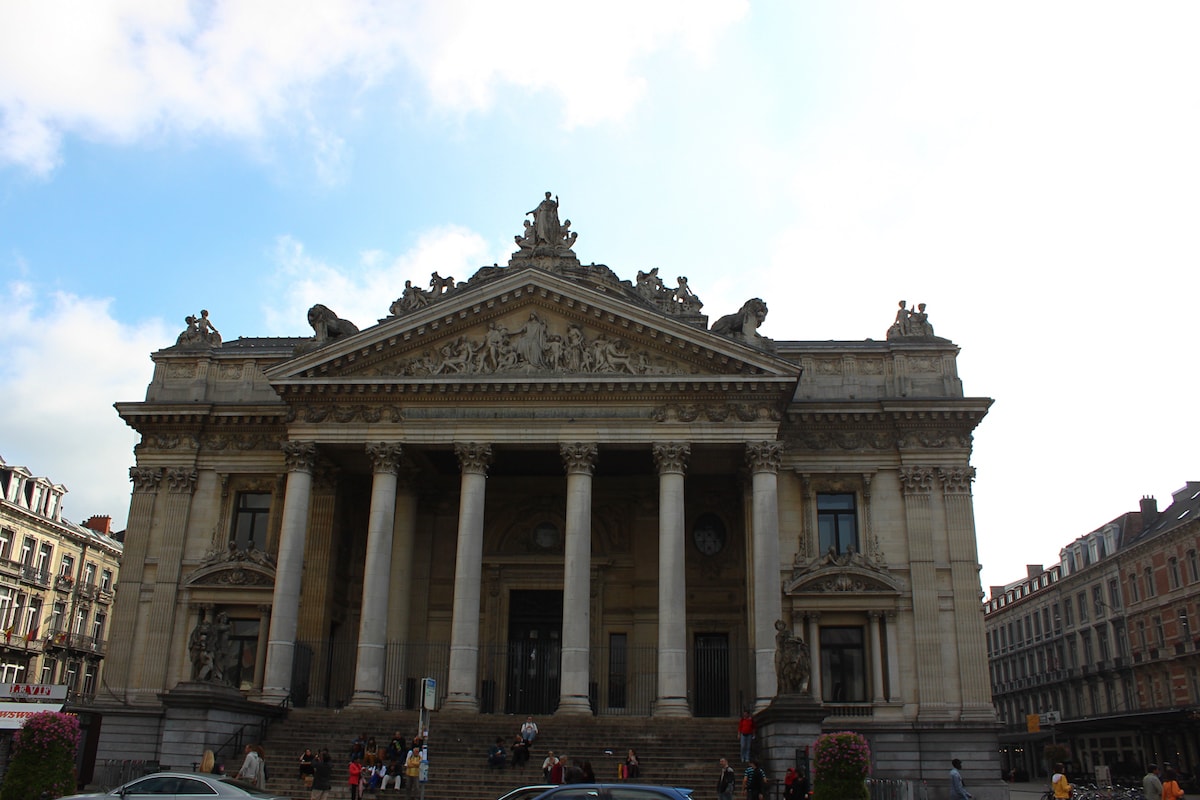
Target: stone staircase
x=679, y=751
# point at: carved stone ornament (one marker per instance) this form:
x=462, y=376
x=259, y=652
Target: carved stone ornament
x=232, y=555
x=850, y=571
x=473, y=457
x=338, y=413
x=385, y=456
x=578, y=457
x=721, y=412
x=535, y=347
x=916, y=480
x=239, y=441
x=199, y=332
x=934, y=439
x=849, y=440
x=671, y=456
x=181, y=480
x=544, y=232
x=145, y=479
x=956, y=480
x=299, y=456
x=764, y=456
x=911, y=323
x=793, y=664
x=743, y=325
x=680, y=300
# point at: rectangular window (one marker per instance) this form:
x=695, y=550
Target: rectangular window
x=837, y=523
x=27, y=546
x=57, y=614
x=618, y=669
x=89, y=574
x=1081, y=599
x=1173, y=572
x=843, y=665
x=45, y=551
x=106, y=580
x=98, y=628
x=250, y=520
x=66, y=567
x=6, y=543
x=1149, y=575
x=1098, y=602
x=1160, y=634
x=81, y=615
x=1067, y=612
x=48, y=671
x=33, y=616
x=1133, y=588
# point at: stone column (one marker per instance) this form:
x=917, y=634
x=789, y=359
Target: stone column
x=260, y=651
x=814, y=653
x=764, y=459
x=160, y=624
x=917, y=484
x=894, y=694
x=671, y=458
x=876, y=657
x=473, y=459
x=401, y=578
x=579, y=459
x=285, y=602
x=372, y=626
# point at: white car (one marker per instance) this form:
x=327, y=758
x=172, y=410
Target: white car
x=190, y=785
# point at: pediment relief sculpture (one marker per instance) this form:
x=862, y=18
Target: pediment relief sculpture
x=833, y=572
x=534, y=346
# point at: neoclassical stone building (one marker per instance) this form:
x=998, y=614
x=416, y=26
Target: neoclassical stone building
x=557, y=491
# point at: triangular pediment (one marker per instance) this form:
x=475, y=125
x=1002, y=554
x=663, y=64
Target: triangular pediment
x=532, y=325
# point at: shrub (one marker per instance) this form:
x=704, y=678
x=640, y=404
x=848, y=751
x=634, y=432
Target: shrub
x=43, y=758
x=841, y=764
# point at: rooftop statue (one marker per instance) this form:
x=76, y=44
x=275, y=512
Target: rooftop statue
x=200, y=332
x=744, y=324
x=544, y=234
x=910, y=322
x=327, y=325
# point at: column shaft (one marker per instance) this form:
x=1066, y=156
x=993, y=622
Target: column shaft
x=579, y=459
x=814, y=651
x=464, y=629
x=672, y=582
x=372, y=629
x=285, y=601
x=764, y=459
x=876, y=658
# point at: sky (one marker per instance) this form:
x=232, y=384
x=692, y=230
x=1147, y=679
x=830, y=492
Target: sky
x=1031, y=171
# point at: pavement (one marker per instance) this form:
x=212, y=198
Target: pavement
x=1027, y=791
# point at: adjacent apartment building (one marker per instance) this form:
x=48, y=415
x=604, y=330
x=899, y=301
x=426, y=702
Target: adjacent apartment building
x=56, y=587
x=1097, y=652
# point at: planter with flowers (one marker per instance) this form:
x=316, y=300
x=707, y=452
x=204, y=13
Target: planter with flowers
x=841, y=765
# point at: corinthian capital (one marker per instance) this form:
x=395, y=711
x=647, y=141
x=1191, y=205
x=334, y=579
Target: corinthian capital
x=578, y=457
x=956, y=480
x=671, y=456
x=300, y=456
x=764, y=456
x=473, y=456
x=916, y=480
x=385, y=456
x=145, y=479
x=181, y=480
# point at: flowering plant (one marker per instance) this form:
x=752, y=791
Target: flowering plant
x=43, y=758
x=841, y=764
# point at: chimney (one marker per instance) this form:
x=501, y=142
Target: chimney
x=1149, y=511
x=100, y=525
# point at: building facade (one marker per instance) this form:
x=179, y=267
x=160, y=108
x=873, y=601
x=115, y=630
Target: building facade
x=56, y=587
x=558, y=491
x=1096, y=653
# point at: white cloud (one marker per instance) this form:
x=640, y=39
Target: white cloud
x=363, y=292
x=66, y=359
x=124, y=70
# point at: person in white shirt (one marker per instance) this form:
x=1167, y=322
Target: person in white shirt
x=529, y=730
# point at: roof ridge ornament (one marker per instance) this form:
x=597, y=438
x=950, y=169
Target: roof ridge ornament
x=545, y=241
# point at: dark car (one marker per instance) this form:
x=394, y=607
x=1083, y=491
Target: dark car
x=171, y=784
x=527, y=792
x=615, y=791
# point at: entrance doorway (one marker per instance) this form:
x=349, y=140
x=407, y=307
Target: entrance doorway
x=711, y=668
x=534, y=651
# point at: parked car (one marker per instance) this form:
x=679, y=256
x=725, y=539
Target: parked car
x=527, y=792
x=615, y=791
x=192, y=784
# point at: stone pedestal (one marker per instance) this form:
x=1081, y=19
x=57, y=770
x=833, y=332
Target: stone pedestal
x=207, y=716
x=789, y=724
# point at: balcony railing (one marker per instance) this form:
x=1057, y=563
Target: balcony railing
x=87, y=591
x=75, y=641
x=36, y=576
x=64, y=583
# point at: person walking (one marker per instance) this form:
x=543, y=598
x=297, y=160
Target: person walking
x=355, y=777
x=746, y=734
x=958, y=791
x=726, y=781
x=322, y=777
x=252, y=768
x=1059, y=783
x=754, y=781
x=1152, y=788
x=1171, y=789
